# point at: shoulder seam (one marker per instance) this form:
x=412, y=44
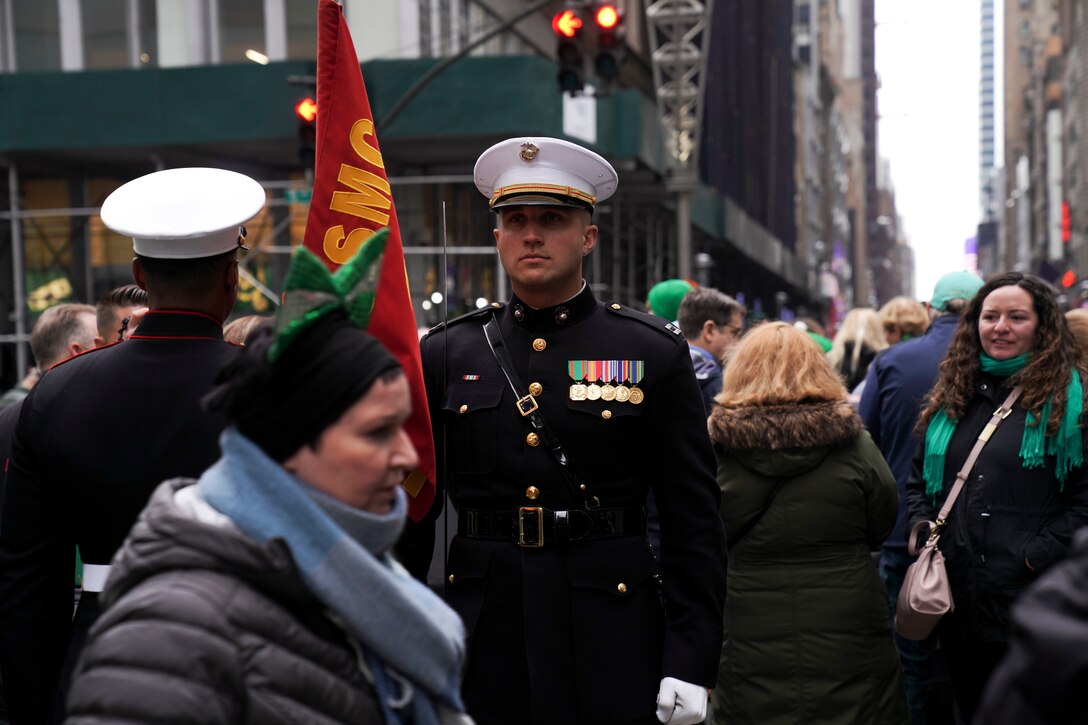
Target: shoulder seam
x=495, y=307
x=660, y=324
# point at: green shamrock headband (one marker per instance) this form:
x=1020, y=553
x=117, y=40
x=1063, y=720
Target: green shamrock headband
x=310, y=291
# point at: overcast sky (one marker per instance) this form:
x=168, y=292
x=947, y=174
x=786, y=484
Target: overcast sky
x=927, y=58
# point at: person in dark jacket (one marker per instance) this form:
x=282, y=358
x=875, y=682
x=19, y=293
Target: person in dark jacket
x=103, y=429
x=1042, y=677
x=1027, y=493
x=805, y=497
x=265, y=591
x=550, y=568
x=895, y=390
x=712, y=323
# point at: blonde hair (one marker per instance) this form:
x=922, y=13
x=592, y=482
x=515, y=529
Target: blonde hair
x=777, y=364
x=238, y=331
x=908, y=315
x=1078, y=325
x=862, y=328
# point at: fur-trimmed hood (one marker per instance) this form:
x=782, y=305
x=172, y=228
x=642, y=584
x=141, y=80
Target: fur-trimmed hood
x=783, y=439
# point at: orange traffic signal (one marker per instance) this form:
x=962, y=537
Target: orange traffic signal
x=306, y=109
x=607, y=17
x=566, y=23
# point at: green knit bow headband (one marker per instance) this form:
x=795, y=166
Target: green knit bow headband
x=310, y=291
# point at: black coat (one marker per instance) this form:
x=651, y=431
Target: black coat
x=1005, y=513
x=576, y=633
x=203, y=624
x=94, y=438
x=1041, y=680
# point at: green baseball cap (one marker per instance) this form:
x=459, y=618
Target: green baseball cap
x=665, y=297
x=955, y=286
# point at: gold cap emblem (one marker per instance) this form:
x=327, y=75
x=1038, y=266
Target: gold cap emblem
x=529, y=151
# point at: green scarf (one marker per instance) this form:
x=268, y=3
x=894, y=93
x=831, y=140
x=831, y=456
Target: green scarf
x=1035, y=445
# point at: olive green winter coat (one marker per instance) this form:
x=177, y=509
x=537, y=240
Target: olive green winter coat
x=808, y=635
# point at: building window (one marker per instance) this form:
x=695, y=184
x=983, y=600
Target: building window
x=301, y=31
x=105, y=40
x=37, y=36
x=241, y=28
x=119, y=33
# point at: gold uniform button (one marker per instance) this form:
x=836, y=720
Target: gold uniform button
x=581, y=487
x=539, y=344
x=533, y=439
x=536, y=388
x=621, y=588
x=615, y=306
x=606, y=414
x=451, y=578
x=532, y=493
x=463, y=409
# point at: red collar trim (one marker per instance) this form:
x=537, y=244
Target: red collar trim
x=81, y=354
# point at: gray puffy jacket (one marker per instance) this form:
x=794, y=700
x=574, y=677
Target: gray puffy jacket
x=203, y=625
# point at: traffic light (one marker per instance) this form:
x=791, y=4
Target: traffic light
x=609, y=22
x=1069, y=278
x=567, y=25
x=306, y=110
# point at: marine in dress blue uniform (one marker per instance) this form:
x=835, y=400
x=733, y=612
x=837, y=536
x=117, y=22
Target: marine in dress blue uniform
x=570, y=618
x=103, y=429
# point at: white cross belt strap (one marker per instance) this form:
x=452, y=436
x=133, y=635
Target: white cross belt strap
x=94, y=577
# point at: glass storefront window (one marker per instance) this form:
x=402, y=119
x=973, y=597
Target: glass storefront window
x=37, y=35
x=241, y=28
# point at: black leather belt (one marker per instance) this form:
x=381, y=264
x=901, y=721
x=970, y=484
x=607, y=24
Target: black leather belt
x=534, y=526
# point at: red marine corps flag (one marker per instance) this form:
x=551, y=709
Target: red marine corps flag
x=351, y=201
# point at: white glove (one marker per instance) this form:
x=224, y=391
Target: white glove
x=681, y=703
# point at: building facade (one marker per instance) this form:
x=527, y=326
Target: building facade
x=89, y=100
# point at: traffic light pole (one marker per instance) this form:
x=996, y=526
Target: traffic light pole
x=446, y=62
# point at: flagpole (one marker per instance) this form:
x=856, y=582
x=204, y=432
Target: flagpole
x=445, y=383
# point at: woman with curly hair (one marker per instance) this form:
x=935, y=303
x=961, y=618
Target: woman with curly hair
x=1027, y=493
x=805, y=496
x=902, y=319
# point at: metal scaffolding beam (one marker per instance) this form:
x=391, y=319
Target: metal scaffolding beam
x=679, y=44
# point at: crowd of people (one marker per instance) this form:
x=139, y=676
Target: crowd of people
x=664, y=514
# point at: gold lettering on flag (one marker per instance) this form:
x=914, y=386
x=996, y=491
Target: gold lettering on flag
x=370, y=194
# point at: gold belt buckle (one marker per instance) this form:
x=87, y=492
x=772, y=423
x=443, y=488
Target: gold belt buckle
x=539, y=512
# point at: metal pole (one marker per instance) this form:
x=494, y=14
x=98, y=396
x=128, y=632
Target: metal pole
x=18, y=273
x=683, y=234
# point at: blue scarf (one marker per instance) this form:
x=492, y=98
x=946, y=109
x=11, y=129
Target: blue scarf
x=412, y=640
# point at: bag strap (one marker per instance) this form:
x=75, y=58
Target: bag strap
x=961, y=478
x=766, y=506
x=528, y=408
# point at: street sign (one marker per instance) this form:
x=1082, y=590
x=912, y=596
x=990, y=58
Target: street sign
x=298, y=196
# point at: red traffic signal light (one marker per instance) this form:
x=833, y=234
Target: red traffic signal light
x=306, y=109
x=1069, y=278
x=566, y=23
x=607, y=17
